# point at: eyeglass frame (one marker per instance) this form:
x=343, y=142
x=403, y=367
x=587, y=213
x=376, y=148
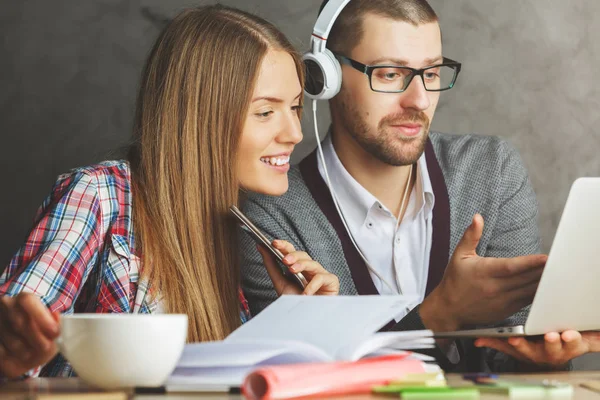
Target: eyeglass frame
x=368, y=70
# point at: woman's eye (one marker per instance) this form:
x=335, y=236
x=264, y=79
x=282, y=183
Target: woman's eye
x=264, y=114
x=297, y=108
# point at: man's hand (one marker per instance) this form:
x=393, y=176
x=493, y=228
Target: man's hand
x=27, y=333
x=320, y=281
x=478, y=290
x=553, y=352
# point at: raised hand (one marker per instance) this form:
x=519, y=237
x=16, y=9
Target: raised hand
x=480, y=290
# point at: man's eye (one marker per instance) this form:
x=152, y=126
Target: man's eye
x=390, y=76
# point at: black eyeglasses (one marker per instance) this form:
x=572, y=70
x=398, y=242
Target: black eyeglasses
x=395, y=79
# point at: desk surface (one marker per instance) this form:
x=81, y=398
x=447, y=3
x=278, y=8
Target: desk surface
x=73, y=388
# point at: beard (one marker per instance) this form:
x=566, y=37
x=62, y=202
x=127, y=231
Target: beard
x=383, y=143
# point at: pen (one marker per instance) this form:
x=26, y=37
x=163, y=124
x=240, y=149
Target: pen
x=189, y=388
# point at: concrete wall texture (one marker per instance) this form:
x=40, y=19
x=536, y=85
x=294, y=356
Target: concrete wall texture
x=69, y=72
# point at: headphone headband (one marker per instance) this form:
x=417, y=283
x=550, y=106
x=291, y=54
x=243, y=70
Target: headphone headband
x=325, y=22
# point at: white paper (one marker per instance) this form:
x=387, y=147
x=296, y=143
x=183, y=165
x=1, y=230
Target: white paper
x=392, y=341
x=329, y=323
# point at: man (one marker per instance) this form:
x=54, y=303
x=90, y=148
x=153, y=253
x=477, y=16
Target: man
x=413, y=201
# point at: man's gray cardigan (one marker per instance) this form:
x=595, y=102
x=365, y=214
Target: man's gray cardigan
x=469, y=174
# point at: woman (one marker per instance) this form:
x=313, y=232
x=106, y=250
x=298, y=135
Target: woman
x=218, y=110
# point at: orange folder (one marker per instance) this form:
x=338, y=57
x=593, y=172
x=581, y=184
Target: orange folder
x=324, y=379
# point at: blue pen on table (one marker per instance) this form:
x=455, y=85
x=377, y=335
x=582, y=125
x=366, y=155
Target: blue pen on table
x=479, y=375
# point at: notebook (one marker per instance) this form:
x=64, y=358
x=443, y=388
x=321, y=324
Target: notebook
x=299, y=329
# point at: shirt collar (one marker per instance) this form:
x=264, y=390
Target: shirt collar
x=357, y=201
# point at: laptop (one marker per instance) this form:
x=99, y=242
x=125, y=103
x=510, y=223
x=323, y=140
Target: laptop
x=568, y=296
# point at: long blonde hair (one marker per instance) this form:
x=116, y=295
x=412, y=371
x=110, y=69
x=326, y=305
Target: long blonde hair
x=194, y=95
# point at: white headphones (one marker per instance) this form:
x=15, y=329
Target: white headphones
x=323, y=71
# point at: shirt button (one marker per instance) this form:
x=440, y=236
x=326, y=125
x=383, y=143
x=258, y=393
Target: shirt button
x=369, y=224
x=397, y=240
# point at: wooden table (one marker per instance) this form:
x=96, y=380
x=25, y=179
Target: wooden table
x=73, y=388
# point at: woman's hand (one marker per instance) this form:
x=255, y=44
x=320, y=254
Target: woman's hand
x=320, y=281
x=27, y=333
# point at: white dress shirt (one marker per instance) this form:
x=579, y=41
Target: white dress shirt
x=398, y=253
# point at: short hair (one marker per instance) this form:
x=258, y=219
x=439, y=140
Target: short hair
x=347, y=31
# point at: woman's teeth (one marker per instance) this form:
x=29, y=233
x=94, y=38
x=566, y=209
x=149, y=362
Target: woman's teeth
x=276, y=160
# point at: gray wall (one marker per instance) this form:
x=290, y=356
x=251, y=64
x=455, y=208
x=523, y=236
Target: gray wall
x=69, y=69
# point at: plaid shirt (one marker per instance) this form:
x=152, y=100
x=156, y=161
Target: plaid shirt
x=80, y=256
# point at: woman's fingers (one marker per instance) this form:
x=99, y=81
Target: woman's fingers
x=323, y=284
x=284, y=246
x=308, y=267
x=37, y=312
x=314, y=285
x=27, y=333
x=296, y=256
x=38, y=340
x=14, y=344
x=280, y=283
x=319, y=280
x=31, y=323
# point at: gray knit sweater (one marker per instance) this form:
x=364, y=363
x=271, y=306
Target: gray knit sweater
x=470, y=174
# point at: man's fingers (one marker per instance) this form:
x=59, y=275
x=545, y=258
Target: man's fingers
x=592, y=340
x=527, y=278
x=508, y=267
x=467, y=247
x=518, y=298
x=500, y=345
x=37, y=312
x=526, y=348
x=573, y=343
x=553, y=346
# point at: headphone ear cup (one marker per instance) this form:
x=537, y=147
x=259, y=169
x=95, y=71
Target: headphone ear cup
x=323, y=75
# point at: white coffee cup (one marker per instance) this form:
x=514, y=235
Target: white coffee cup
x=113, y=351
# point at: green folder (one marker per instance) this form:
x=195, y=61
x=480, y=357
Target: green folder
x=429, y=392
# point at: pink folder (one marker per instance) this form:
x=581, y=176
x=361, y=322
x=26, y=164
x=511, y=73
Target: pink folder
x=323, y=379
